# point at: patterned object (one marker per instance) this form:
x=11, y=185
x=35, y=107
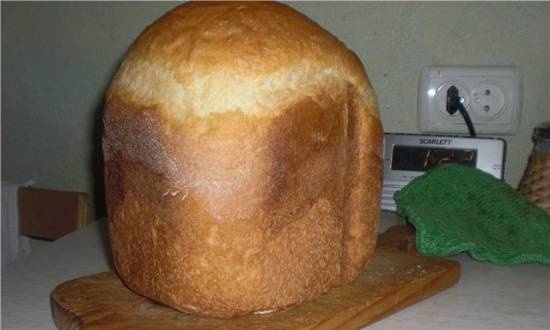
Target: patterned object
x=456, y=208
x=535, y=184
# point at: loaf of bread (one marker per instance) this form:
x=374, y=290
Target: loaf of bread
x=243, y=164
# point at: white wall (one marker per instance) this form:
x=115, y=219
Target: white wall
x=58, y=58
x=57, y=61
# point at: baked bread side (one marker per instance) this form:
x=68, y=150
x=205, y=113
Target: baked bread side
x=242, y=160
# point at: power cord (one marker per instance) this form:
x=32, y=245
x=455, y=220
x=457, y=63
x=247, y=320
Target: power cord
x=454, y=103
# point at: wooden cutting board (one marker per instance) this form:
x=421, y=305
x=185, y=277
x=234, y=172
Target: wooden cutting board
x=396, y=277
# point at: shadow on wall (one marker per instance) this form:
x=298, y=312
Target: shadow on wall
x=96, y=162
x=98, y=198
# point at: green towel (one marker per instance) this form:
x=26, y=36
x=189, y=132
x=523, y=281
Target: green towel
x=455, y=208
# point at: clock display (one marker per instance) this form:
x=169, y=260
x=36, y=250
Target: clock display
x=422, y=159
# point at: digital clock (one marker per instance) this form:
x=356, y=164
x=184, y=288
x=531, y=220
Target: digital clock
x=407, y=156
x=421, y=159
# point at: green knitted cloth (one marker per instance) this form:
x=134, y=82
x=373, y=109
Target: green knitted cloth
x=455, y=208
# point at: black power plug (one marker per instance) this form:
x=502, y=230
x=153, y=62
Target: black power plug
x=454, y=104
x=453, y=99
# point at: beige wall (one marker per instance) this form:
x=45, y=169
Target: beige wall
x=57, y=59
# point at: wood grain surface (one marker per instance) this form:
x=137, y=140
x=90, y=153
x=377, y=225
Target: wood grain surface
x=396, y=277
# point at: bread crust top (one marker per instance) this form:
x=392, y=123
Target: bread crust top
x=251, y=57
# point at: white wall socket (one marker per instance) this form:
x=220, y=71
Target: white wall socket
x=490, y=94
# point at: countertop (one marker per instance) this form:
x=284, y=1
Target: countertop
x=486, y=297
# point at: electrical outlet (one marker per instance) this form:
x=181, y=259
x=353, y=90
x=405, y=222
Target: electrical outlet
x=490, y=94
x=488, y=99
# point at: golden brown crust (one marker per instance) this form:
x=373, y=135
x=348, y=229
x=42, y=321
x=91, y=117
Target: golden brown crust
x=222, y=201
x=251, y=57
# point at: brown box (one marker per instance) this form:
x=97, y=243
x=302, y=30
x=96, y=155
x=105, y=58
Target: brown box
x=51, y=214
